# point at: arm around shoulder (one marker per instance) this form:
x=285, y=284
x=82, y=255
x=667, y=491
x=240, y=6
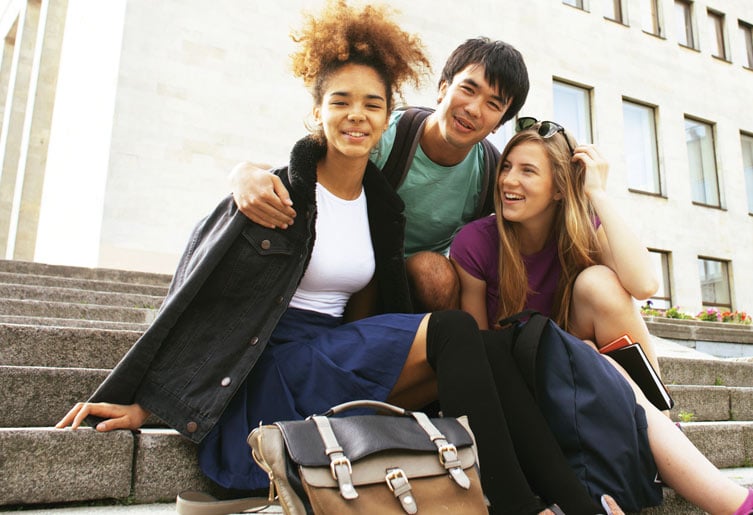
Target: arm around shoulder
x=261, y=195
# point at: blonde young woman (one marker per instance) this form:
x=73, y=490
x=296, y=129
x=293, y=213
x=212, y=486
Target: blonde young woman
x=558, y=245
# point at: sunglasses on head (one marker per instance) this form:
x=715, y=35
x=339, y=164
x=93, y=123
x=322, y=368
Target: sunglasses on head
x=545, y=129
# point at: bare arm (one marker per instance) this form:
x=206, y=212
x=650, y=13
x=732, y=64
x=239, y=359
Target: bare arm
x=473, y=296
x=117, y=416
x=620, y=248
x=261, y=195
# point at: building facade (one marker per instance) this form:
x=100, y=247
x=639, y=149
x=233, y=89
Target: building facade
x=121, y=119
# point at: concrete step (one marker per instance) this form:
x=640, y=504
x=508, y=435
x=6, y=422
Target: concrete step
x=77, y=296
x=710, y=372
x=46, y=465
x=42, y=321
x=82, y=284
x=43, y=465
x=711, y=403
x=41, y=396
x=96, y=274
x=39, y=308
x=46, y=346
x=61, y=387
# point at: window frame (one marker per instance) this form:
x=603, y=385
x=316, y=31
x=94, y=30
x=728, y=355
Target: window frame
x=665, y=279
x=582, y=127
x=618, y=7
x=577, y=4
x=719, y=32
x=745, y=32
x=656, y=172
x=654, y=16
x=726, y=275
x=704, y=173
x=747, y=167
x=690, y=40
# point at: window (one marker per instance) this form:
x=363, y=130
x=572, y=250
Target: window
x=574, y=3
x=613, y=10
x=702, y=163
x=572, y=109
x=746, y=42
x=719, y=47
x=641, y=156
x=714, y=275
x=650, y=17
x=747, y=144
x=662, y=299
x=684, y=23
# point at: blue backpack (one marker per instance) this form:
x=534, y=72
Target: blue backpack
x=591, y=410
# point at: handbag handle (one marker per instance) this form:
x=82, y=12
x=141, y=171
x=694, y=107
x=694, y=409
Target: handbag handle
x=378, y=405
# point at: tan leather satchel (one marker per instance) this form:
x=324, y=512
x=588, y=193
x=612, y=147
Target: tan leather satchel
x=371, y=464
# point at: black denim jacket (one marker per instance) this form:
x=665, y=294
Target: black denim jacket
x=234, y=281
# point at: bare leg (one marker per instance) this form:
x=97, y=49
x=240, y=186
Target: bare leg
x=683, y=467
x=417, y=384
x=602, y=311
x=434, y=283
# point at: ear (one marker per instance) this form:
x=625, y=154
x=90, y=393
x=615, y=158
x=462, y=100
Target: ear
x=316, y=111
x=558, y=196
x=442, y=91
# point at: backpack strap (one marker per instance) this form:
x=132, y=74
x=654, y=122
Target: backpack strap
x=486, y=197
x=526, y=347
x=407, y=136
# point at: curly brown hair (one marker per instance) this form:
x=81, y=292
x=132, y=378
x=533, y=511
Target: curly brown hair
x=341, y=34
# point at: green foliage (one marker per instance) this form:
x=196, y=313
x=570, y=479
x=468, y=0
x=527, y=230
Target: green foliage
x=686, y=416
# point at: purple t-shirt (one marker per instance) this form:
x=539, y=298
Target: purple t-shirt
x=476, y=249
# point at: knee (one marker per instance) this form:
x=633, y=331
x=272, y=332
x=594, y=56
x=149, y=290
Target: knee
x=433, y=281
x=447, y=331
x=598, y=286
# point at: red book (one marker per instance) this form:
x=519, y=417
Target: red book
x=635, y=362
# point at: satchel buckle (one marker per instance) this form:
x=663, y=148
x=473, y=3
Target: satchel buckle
x=394, y=474
x=447, y=448
x=336, y=462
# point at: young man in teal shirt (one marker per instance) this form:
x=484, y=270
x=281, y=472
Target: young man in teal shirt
x=484, y=83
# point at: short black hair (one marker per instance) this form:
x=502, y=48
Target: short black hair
x=504, y=69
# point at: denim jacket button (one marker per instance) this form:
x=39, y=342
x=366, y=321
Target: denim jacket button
x=265, y=244
x=254, y=340
x=225, y=381
x=191, y=427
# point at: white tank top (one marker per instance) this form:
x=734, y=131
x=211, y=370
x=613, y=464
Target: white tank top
x=342, y=261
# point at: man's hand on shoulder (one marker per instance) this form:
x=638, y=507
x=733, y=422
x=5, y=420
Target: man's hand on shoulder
x=261, y=195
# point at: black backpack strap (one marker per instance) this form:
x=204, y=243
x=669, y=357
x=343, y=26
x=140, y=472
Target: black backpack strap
x=486, y=198
x=407, y=137
x=526, y=346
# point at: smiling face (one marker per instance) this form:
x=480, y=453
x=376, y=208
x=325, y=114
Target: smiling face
x=526, y=187
x=353, y=112
x=469, y=108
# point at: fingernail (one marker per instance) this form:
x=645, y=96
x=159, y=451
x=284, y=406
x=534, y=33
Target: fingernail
x=101, y=426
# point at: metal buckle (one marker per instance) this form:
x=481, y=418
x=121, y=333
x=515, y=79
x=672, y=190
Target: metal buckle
x=447, y=448
x=393, y=474
x=339, y=461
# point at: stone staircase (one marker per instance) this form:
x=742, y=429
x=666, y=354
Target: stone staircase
x=63, y=328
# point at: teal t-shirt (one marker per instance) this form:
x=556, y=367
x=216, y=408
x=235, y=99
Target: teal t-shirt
x=439, y=200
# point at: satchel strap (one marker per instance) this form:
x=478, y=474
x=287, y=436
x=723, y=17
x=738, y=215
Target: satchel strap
x=339, y=463
x=398, y=483
x=448, y=453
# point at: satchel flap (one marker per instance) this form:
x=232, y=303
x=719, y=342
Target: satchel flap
x=372, y=470
x=363, y=435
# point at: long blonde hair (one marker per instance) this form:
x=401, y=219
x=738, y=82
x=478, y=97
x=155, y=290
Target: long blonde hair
x=573, y=227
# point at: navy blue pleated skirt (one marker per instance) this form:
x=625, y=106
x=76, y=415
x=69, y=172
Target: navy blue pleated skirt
x=312, y=362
